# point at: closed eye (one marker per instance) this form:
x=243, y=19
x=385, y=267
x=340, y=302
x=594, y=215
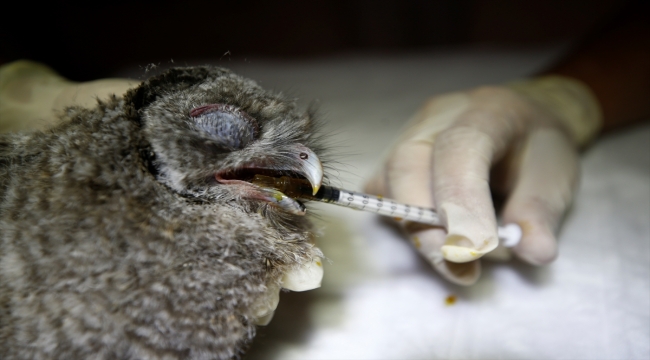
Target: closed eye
x=226, y=125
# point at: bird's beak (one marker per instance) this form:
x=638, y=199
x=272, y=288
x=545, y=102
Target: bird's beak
x=310, y=167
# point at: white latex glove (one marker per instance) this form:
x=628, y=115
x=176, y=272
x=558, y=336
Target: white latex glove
x=32, y=94
x=518, y=140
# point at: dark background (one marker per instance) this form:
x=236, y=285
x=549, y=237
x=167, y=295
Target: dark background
x=86, y=40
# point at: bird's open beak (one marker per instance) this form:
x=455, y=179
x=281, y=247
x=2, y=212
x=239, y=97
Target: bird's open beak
x=310, y=167
x=303, y=162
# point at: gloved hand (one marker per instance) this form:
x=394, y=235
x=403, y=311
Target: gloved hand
x=519, y=140
x=32, y=94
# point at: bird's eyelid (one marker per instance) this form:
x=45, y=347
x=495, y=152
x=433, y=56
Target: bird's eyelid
x=227, y=124
x=199, y=110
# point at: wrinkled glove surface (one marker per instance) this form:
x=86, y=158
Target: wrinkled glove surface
x=519, y=142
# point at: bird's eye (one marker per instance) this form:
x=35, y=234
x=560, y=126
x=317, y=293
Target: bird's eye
x=226, y=124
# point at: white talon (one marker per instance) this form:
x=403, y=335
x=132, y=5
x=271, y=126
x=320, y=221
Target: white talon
x=306, y=277
x=266, y=304
x=264, y=320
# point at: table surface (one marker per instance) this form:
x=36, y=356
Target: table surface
x=380, y=300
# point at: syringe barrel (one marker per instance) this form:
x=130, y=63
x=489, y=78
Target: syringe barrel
x=510, y=235
x=387, y=207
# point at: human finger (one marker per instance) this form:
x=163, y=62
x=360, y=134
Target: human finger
x=429, y=241
x=547, y=176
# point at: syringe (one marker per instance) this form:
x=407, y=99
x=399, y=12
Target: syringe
x=509, y=235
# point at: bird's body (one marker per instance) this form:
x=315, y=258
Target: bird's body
x=124, y=232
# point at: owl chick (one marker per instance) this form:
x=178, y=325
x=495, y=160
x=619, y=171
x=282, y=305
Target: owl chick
x=131, y=231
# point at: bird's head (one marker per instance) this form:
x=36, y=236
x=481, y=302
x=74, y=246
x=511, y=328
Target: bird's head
x=211, y=131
